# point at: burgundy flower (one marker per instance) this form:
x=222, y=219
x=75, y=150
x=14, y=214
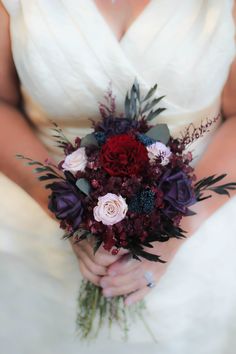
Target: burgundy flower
x=123, y=155
x=65, y=203
x=177, y=191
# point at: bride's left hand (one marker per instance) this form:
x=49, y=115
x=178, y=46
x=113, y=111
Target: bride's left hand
x=126, y=275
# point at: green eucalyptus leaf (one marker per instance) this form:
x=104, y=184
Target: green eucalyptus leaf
x=88, y=139
x=43, y=169
x=150, y=256
x=47, y=176
x=155, y=114
x=83, y=185
x=127, y=106
x=136, y=86
x=160, y=132
x=132, y=102
x=151, y=104
x=133, y=106
x=150, y=93
x=32, y=163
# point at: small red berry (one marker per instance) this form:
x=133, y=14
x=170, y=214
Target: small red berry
x=115, y=252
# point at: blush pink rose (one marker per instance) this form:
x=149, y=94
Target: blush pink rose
x=110, y=209
x=76, y=161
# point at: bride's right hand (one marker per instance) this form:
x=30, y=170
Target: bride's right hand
x=94, y=266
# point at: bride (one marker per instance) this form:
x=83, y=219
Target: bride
x=56, y=61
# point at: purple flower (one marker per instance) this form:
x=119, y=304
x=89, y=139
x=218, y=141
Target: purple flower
x=65, y=203
x=178, y=193
x=115, y=125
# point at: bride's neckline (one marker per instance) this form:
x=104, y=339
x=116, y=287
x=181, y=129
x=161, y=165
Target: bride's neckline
x=130, y=28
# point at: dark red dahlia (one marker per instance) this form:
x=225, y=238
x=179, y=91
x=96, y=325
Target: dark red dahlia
x=123, y=155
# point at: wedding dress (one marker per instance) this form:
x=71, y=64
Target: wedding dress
x=66, y=55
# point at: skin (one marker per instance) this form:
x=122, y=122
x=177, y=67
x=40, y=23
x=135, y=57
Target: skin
x=119, y=274
x=120, y=14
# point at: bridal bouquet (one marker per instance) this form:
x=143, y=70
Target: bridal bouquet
x=127, y=184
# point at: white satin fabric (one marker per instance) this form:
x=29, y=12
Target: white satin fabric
x=66, y=55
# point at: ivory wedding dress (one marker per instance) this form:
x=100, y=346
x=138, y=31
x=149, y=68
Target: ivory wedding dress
x=66, y=55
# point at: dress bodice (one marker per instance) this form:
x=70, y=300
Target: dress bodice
x=66, y=55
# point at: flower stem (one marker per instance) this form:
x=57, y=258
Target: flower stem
x=95, y=310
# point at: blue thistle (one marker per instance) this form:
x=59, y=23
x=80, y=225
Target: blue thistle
x=145, y=140
x=100, y=137
x=143, y=202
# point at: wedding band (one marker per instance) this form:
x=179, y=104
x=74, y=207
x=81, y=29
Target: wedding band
x=149, y=278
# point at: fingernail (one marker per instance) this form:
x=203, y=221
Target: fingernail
x=107, y=292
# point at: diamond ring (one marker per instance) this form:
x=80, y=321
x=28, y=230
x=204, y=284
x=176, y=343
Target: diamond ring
x=149, y=278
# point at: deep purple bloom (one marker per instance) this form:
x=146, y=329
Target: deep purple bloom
x=178, y=192
x=65, y=203
x=115, y=125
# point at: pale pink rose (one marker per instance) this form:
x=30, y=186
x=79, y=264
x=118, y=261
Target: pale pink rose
x=110, y=209
x=76, y=161
x=159, y=149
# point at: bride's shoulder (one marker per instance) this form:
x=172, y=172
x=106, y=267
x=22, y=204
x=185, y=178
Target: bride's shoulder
x=11, y=6
x=3, y=11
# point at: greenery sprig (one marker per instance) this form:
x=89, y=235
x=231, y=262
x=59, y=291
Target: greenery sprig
x=134, y=108
x=206, y=184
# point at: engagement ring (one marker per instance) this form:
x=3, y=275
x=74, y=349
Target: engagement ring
x=149, y=278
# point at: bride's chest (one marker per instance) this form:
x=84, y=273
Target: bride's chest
x=120, y=15
x=66, y=54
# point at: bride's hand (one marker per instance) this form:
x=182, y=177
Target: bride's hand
x=126, y=275
x=94, y=266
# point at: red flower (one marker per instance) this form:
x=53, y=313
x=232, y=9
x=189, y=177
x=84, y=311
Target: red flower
x=123, y=155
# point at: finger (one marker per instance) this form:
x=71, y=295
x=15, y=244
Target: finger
x=123, y=284
x=123, y=265
x=120, y=280
x=106, y=257
x=102, y=256
x=88, y=245
x=98, y=258
x=92, y=267
x=136, y=296
x=122, y=290
x=95, y=279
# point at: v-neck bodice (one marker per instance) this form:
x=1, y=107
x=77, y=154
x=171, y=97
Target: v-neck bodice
x=135, y=23
x=66, y=55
